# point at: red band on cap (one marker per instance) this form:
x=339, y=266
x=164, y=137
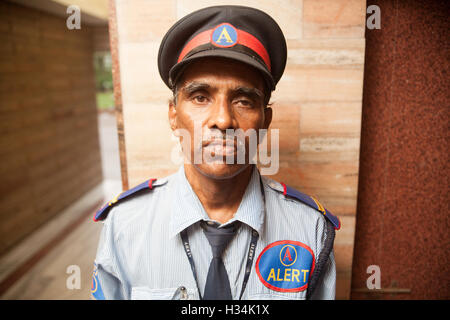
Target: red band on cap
x=250, y=41
x=198, y=40
x=244, y=38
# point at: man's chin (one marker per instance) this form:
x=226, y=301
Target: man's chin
x=220, y=171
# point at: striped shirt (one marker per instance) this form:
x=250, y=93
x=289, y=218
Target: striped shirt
x=141, y=254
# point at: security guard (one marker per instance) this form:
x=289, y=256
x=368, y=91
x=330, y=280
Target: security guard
x=216, y=230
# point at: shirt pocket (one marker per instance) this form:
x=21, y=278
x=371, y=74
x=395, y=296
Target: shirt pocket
x=146, y=293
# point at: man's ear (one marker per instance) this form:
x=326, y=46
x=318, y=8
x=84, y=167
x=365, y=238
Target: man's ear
x=172, y=115
x=267, y=117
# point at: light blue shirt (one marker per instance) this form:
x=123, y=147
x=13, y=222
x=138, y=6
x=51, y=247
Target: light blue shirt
x=141, y=254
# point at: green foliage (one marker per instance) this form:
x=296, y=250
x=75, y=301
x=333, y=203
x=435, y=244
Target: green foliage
x=105, y=100
x=103, y=74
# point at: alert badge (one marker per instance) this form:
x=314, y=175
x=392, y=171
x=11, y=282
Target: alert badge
x=285, y=266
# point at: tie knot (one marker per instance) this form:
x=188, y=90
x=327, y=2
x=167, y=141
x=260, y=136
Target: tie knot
x=219, y=238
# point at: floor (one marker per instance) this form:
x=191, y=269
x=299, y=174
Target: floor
x=56, y=261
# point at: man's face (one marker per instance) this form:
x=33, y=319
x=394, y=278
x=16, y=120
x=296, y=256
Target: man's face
x=217, y=94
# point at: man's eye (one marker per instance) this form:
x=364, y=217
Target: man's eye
x=244, y=103
x=199, y=99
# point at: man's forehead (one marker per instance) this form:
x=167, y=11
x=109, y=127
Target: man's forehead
x=212, y=71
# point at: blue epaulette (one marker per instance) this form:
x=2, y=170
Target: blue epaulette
x=313, y=203
x=102, y=213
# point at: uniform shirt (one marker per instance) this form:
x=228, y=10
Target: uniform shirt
x=141, y=254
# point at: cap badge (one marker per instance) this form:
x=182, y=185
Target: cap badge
x=224, y=35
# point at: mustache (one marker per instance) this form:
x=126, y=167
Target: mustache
x=219, y=142
x=221, y=139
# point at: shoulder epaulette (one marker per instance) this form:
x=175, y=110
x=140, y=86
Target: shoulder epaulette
x=313, y=203
x=102, y=213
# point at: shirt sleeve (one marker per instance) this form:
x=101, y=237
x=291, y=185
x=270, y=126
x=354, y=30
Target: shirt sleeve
x=106, y=280
x=326, y=288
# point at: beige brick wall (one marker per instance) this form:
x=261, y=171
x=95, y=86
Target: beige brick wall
x=317, y=104
x=49, y=145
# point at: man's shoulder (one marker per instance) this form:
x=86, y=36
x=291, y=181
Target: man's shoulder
x=289, y=194
x=133, y=198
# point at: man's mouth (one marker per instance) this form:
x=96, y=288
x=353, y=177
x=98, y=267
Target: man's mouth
x=218, y=142
x=220, y=147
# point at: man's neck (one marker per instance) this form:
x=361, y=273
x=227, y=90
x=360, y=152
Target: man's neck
x=220, y=197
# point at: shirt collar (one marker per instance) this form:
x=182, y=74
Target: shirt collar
x=187, y=208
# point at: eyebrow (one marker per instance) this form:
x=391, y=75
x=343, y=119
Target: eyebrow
x=195, y=86
x=251, y=92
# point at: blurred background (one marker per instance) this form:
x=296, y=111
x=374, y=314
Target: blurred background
x=362, y=111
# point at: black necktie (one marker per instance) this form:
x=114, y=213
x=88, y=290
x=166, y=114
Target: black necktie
x=217, y=284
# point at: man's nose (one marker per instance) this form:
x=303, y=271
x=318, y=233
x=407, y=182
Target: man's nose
x=221, y=115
